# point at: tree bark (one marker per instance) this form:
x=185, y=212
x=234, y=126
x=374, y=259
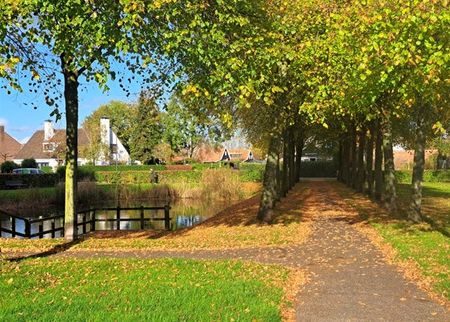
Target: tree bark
x=390, y=194
x=369, y=162
x=415, y=211
x=298, y=156
x=291, y=144
x=361, y=163
x=285, y=174
x=354, y=160
x=269, y=193
x=71, y=100
x=378, y=173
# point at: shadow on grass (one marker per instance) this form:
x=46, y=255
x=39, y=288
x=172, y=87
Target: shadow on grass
x=53, y=251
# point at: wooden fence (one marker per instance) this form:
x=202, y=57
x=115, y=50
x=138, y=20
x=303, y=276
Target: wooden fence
x=86, y=219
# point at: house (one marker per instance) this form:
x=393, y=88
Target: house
x=404, y=159
x=47, y=146
x=116, y=150
x=9, y=147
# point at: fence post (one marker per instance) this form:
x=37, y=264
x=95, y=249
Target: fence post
x=84, y=223
x=118, y=217
x=41, y=230
x=167, y=217
x=93, y=219
x=13, y=227
x=53, y=228
x=142, y=217
x=27, y=228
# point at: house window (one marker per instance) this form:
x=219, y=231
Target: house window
x=48, y=147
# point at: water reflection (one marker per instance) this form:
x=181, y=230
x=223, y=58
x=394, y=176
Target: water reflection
x=184, y=213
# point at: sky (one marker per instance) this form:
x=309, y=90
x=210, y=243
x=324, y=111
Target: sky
x=21, y=120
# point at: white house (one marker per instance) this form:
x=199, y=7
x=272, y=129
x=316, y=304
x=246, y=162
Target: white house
x=47, y=146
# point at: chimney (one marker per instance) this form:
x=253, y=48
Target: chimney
x=105, y=131
x=48, y=130
x=2, y=133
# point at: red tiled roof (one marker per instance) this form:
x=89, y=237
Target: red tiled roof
x=9, y=146
x=34, y=147
x=207, y=153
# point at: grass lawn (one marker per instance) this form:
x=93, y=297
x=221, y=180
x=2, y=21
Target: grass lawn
x=420, y=244
x=141, y=290
x=436, y=201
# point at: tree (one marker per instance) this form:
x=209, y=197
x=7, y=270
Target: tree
x=121, y=118
x=147, y=132
x=8, y=167
x=77, y=40
x=29, y=163
x=185, y=127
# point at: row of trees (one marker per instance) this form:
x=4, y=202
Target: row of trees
x=150, y=133
x=280, y=68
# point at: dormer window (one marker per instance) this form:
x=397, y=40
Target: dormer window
x=48, y=147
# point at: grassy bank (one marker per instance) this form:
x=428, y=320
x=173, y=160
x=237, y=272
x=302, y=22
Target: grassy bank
x=417, y=247
x=235, y=227
x=140, y=290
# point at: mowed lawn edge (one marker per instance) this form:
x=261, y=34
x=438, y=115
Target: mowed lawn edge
x=151, y=290
x=420, y=252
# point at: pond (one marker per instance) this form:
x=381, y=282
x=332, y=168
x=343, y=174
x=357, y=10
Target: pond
x=184, y=213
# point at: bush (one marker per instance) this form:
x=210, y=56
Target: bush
x=84, y=174
x=318, y=169
x=8, y=166
x=29, y=163
x=252, y=172
x=31, y=180
x=222, y=184
x=405, y=176
x=95, y=168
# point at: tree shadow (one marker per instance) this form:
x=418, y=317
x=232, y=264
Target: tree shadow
x=53, y=251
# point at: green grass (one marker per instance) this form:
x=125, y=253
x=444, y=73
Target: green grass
x=429, y=249
x=435, y=203
x=140, y=290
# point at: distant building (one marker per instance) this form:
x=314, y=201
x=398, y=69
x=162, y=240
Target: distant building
x=116, y=150
x=9, y=146
x=47, y=146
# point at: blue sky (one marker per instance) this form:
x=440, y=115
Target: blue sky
x=22, y=120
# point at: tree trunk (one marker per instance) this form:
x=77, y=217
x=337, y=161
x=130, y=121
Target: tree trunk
x=354, y=160
x=298, y=156
x=361, y=163
x=269, y=193
x=378, y=173
x=390, y=194
x=346, y=157
x=415, y=211
x=369, y=162
x=71, y=100
x=291, y=144
x=278, y=174
x=285, y=174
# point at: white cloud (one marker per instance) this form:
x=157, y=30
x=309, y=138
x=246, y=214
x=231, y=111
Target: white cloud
x=3, y=121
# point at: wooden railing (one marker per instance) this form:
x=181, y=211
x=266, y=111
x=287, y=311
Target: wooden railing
x=86, y=219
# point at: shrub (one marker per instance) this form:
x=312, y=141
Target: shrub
x=83, y=174
x=31, y=180
x=222, y=184
x=318, y=169
x=405, y=176
x=8, y=166
x=29, y=163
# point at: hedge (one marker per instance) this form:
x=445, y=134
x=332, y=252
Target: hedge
x=30, y=180
x=318, y=169
x=405, y=176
